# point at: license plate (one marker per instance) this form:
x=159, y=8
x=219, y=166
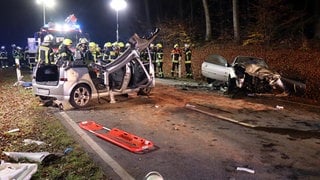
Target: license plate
x=43, y=91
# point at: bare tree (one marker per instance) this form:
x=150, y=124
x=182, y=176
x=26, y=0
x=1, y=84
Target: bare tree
x=208, y=22
x=235, y=10
x=147, y=11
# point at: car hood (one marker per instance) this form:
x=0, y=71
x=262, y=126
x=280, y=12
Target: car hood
x=261, y=72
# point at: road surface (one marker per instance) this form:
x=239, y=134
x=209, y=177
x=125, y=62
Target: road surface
x=203, y=134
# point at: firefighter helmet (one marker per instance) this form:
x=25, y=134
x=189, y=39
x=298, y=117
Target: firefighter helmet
x=176, y=46
x=121, y=44
x=92, y=44
x=107, y=45
x=151, y=45
x=159, y=45
x=115, y=44
x=186, y=45
x=3, y=47
x=67, y=42
x=83, y=40
x=48, y=38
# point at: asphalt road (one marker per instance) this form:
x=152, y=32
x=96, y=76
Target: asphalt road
x=192, y=145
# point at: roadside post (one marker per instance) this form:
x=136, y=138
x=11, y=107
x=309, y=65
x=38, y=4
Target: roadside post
x=179, y=67
x=19, y=76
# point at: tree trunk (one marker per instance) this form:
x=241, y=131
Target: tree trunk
x=208, y=22
x=235, y=10
x=147, y=11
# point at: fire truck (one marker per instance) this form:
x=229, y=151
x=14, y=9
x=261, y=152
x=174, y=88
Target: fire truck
x=60, y=31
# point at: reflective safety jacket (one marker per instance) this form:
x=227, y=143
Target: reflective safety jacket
x=3, y=54
x=188, y=56
x=45, y=54
x=159, y=55
x=175, y=55
x=65, y=53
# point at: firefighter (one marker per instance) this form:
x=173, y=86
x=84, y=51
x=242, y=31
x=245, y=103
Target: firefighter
x=187, y=61
x=3, y=57
x=82, y=48
x=115, y=51
x=159, y=60
x=107, y=48
x=16, y=54
x=176, y=58
x=98, y=54
x=45, y=52
x=94, y=52
x=152, y=50
x=121, y=47
x=65, y=54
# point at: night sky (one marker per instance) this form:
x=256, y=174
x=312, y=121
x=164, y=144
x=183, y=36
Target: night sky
x=20, y=19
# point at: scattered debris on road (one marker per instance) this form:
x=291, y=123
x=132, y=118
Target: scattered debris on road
x=246, y=170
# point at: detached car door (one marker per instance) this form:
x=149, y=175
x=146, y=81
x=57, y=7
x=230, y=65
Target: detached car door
x=215, y=67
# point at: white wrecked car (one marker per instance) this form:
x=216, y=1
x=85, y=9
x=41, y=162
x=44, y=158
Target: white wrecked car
x=250, y=74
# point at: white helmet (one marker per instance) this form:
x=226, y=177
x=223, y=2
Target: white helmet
x=3, y=47
x=186, y=45
x=48, y=38
x=83, y=40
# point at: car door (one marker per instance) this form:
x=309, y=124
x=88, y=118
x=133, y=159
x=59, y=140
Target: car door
x=215, y=67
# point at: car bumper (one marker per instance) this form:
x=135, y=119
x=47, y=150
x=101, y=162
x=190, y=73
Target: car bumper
x=56, y=92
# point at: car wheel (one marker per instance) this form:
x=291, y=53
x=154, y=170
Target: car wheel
x=144, y=91
x=80, y=96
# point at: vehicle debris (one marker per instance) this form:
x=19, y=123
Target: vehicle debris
x=40, y=157
x=13, y=130
x=246, y=170
x=153, y=175
x=279, y=107
x=23, y=171
x=30, y=141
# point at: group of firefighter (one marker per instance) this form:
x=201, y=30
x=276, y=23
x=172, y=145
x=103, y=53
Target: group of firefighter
x=5, y=61
x=90, y=52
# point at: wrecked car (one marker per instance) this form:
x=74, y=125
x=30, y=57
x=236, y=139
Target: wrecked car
x=250, y=74
x=77, y=83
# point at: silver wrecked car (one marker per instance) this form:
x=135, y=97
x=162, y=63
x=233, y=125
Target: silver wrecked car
x=251, y=74
x=77, y=84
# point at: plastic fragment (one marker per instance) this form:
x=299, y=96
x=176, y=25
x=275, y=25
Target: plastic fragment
x=30, y=141
x=279, y=107
x=17, y=170
x=153, y=175
x=67, y=150
x=245, y=169
x=13, y=130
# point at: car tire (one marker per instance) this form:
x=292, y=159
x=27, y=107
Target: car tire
x=144, y=91
x=80, y=96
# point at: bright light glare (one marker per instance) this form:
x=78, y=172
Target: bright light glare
x=47, y=3
x=118, y=4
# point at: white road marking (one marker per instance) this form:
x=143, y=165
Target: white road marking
x=103, y=155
